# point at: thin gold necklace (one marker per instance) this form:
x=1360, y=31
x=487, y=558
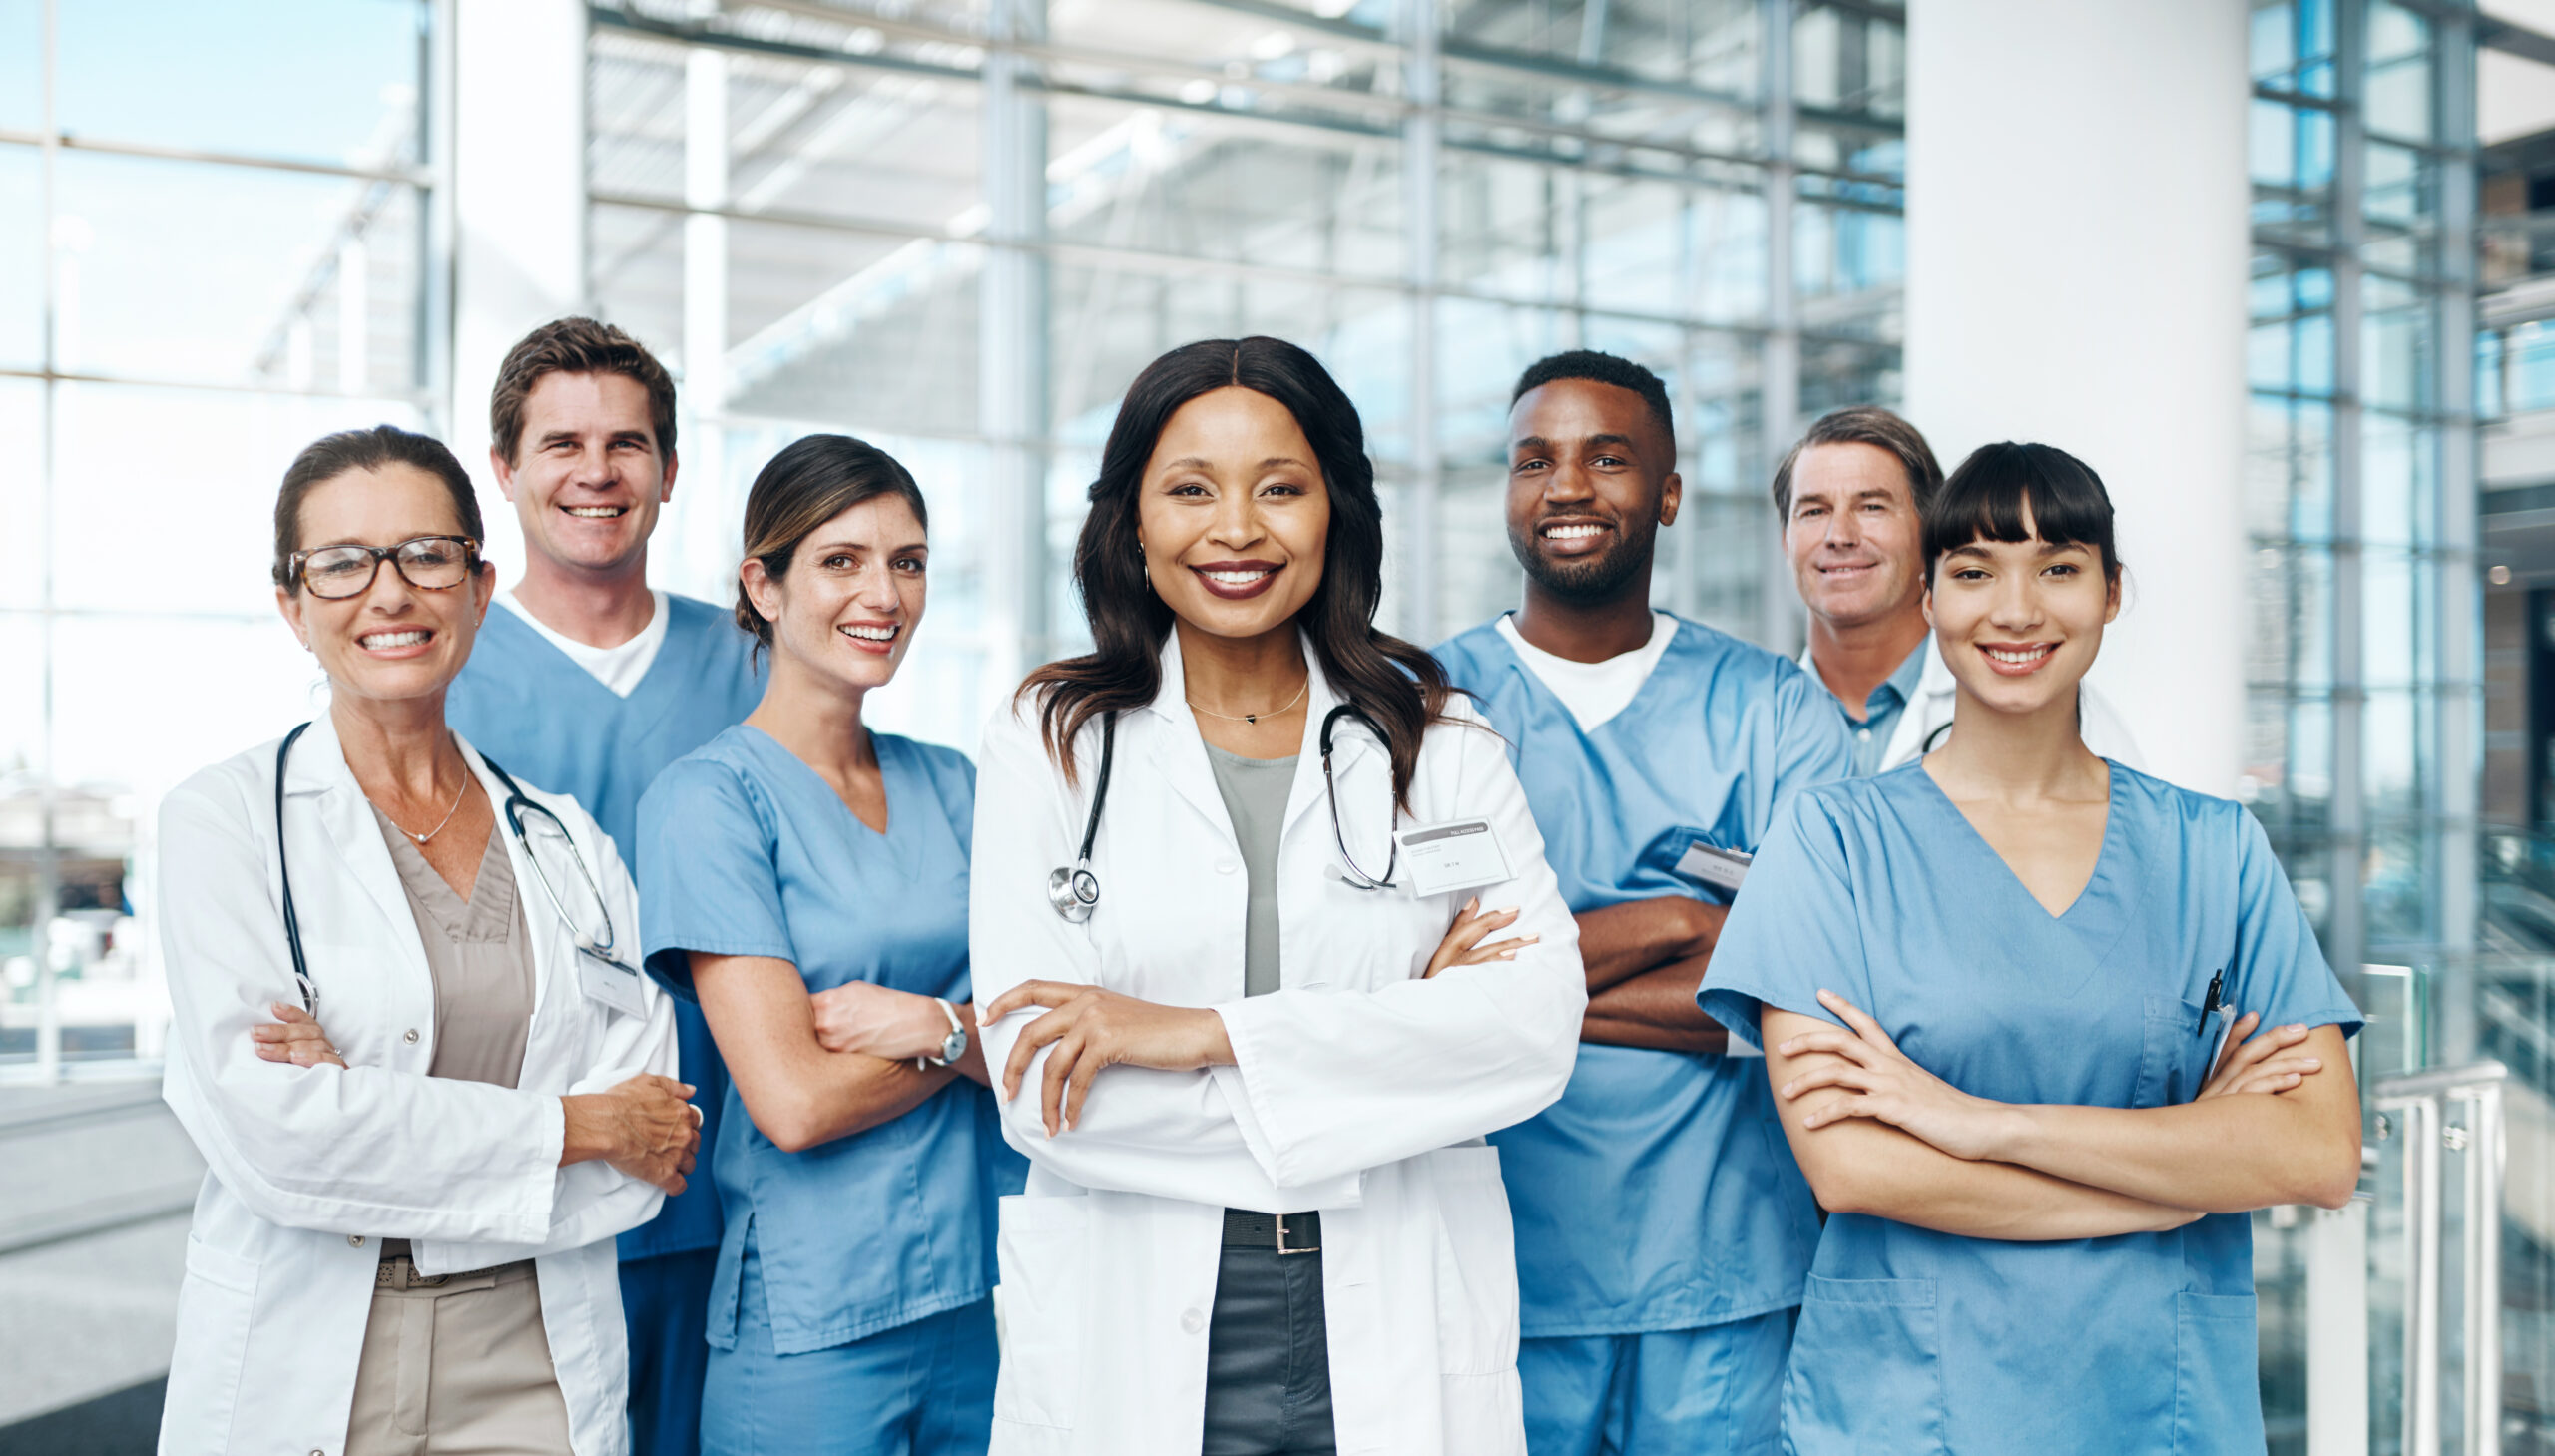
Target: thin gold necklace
x=1287, y=707
x=439, y=824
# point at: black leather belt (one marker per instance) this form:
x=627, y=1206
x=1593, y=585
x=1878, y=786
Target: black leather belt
x=1285, y=1232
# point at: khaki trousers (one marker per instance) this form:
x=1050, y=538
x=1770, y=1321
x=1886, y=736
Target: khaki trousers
x=460, y=1368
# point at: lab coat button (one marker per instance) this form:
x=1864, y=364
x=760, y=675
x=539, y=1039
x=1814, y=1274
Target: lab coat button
x=1191, y=1322
x=409, y=1036
x=355, y=1241
x=1226, y=867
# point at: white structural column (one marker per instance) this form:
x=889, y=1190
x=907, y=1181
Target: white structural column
x=518, y=185
x=2077, y=253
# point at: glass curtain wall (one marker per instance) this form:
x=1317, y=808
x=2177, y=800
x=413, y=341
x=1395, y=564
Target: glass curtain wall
x=960, y=229
x=2363, y=747
x=215, y=244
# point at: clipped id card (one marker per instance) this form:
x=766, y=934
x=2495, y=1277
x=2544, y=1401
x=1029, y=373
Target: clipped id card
x=1721, y=868
x=1459, y=855
x=608, y=982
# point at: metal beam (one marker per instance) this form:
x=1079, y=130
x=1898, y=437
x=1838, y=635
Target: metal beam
x=1149, y=261
x=71, y=142
x=2492, y=33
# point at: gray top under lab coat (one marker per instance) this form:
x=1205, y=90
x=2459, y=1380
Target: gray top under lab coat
x=1254, y=791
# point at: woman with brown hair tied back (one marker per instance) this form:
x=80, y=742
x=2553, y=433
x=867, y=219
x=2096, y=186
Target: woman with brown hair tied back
x=407, y=1036
x=1221, y=862
x=806, y=878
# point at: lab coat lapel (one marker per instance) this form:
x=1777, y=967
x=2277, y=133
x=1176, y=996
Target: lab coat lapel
x=1350, y=745
x=1179, y=754
x=1931, y=709
x=1935, y=688
x=541, y=922
x=319, y=773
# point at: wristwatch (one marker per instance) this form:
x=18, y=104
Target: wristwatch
x=952, y=1046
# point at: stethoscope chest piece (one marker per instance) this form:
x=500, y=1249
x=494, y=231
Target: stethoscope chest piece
x=1074, y=890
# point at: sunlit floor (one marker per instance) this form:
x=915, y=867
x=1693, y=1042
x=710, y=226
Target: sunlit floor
x=93, y=1235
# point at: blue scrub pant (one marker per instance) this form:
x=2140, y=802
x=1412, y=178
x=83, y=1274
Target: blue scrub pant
x=1714, y=1391
x=665, y=1303
x=920, y=1390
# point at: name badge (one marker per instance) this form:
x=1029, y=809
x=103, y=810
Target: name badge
x=1459, y=854
x=1721, y=868
x=608, y=982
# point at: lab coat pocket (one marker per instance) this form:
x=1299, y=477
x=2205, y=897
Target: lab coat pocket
x=1865, y=1371
x=1045, y=1256
x=2173, y=1057
x=216, y=1307
x=2218, y=1403
x=1476, y=1263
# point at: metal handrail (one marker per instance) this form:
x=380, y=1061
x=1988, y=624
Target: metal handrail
x=2420, y=1100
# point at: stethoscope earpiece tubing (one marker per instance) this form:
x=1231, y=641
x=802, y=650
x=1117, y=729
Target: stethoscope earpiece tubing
x=1356, y=877
x=284, y=875
x=1074, y=891
x=1098, y=790
x=516, y=803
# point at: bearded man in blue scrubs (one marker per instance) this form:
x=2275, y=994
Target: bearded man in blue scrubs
x=1663, y=1227
x=588, y=683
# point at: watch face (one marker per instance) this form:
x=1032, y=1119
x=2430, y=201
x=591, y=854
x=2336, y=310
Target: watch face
x=953, y=1046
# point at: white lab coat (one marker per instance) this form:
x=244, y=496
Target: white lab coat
x=1931, y=709
x=1361, y=1090
x=311, y=1166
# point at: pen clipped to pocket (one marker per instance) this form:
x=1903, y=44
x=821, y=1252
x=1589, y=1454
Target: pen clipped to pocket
x=2217, y=1026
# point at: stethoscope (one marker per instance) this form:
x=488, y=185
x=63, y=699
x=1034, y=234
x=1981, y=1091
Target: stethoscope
x=597, y=947
x=1075, y=891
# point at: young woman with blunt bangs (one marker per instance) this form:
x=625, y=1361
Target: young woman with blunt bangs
x=1249, y=1042
x=1993, y=987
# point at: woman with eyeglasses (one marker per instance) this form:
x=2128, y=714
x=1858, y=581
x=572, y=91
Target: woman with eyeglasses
x=1235, y=873
x=409, y=1038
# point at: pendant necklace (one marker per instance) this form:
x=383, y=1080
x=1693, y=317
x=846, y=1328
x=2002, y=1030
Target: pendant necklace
x=1288, y=705
x=447, y=814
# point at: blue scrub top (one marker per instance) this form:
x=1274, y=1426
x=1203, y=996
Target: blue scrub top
x=529, y=705
x=1659, y=1192
x=755, y=854
x=1881, y=710
x=1916, y=1342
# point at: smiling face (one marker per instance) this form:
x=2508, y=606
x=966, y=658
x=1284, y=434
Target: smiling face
x=1232, y=514
x=1854, y=537
x=587, y=478
x=2021, y=621
x=1590, y=482
x=393, y=641
x=845, y=608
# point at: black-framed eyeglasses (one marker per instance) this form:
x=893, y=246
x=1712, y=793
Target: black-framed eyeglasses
x=435, y=563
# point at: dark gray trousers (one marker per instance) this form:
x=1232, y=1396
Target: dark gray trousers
x=1268, y=1357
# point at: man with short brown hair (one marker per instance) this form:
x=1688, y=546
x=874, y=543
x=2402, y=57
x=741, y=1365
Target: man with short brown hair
x=588, y=683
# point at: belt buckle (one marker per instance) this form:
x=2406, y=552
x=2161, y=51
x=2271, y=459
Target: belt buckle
x=1283, y=1250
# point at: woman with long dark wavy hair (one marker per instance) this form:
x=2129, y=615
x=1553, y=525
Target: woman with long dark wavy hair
x=1224, y=860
